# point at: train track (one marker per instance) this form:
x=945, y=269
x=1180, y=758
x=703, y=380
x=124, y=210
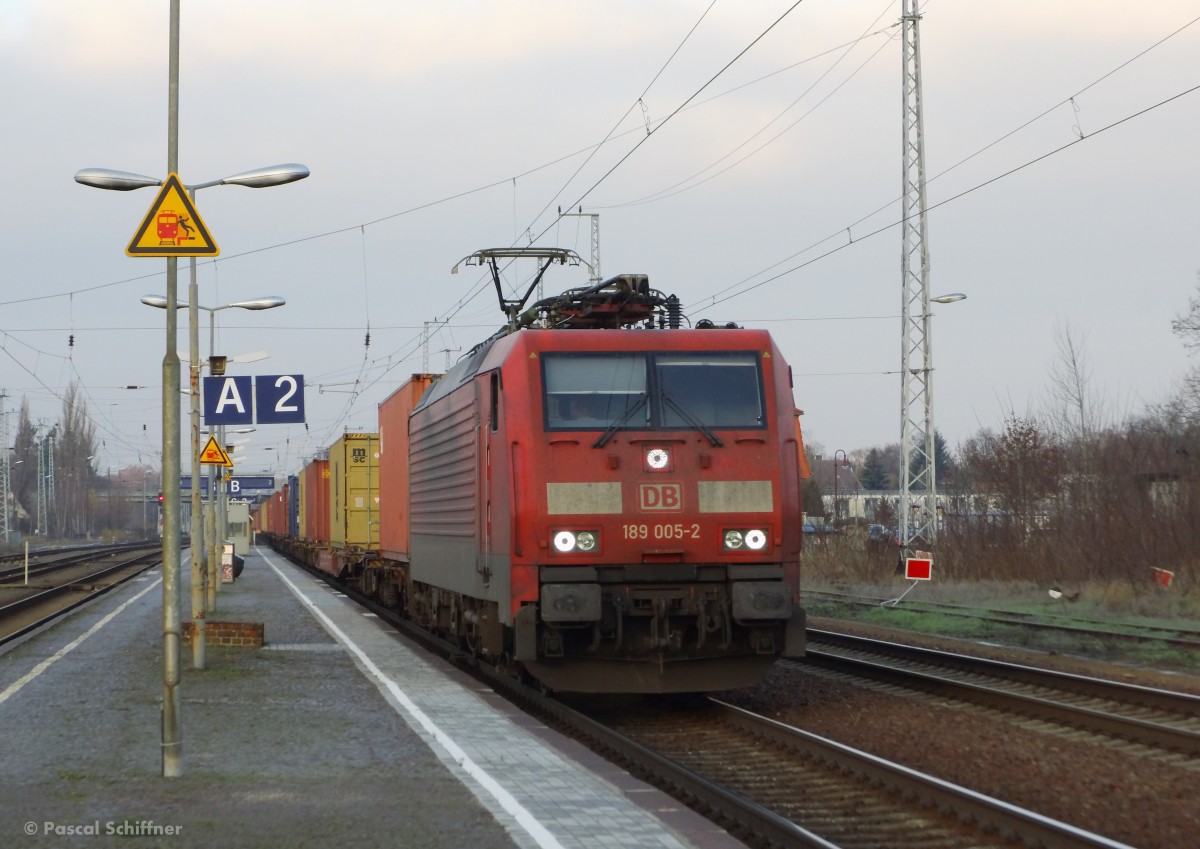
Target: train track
x=1131, y=632
x=1159, y=719
x=771, y=784
x=768, y=783
x=63, y=583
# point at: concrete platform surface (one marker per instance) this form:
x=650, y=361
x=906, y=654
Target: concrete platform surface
x=336, y=732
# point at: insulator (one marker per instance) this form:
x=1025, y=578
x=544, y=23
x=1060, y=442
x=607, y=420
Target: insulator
x=674, y=313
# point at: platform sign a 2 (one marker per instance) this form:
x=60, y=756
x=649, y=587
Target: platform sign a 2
x=243, y=400
x=279, y=398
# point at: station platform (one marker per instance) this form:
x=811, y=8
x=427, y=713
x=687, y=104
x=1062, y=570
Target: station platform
x=335, y=732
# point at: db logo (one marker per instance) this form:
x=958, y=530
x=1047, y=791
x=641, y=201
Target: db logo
x=660, y=497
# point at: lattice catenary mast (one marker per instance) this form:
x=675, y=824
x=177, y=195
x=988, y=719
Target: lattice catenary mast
x=918, y=485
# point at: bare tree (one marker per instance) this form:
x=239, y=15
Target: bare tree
x=1074, y=408
x=1022, y=465
x=1186, y=405
x=24, y=471
x=75, y=448
x=1188, y=324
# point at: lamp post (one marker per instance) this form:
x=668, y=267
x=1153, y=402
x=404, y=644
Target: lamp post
x=204, y=579
x=172, y=735
x=845, y=464
x=917, y=441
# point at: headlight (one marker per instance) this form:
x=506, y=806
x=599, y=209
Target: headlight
x=658, y=459
x=753, y=539
x=568, y=542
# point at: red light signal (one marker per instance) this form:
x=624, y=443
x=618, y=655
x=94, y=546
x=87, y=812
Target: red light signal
x=161, y=497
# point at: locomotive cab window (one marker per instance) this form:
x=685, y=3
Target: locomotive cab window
x=591, y=391
x=719, y=390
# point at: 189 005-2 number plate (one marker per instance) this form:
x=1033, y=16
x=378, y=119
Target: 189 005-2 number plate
x=661, y=531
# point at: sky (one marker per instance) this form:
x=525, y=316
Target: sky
x=745, y=155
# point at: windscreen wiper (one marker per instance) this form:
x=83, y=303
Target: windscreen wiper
x=612, y=429
x=691, y=419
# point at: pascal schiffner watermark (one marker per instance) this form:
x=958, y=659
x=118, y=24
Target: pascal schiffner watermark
x=117, y=828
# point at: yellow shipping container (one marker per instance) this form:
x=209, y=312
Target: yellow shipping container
x=354, y=492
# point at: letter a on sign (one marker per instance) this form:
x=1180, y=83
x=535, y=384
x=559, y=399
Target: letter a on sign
x=228, y=400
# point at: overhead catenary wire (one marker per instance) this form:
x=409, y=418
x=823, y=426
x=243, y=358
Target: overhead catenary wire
x=855, y=239
x=713, y=300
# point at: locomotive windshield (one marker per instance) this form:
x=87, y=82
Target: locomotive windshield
x=711, y=389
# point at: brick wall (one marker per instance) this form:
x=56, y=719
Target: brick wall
x=227, y=633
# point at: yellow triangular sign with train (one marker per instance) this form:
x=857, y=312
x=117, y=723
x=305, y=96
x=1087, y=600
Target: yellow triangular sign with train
x=214, y=455
x=172, y=227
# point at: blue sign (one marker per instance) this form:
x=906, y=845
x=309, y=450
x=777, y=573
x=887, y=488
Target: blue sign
x=243, y=400
x=237, y=483
x=228, y=400
x=280, y=398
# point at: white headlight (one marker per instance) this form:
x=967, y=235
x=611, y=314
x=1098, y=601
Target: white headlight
x=586, y=541
x=657, y=458
x=749, y=539
x=564, y=541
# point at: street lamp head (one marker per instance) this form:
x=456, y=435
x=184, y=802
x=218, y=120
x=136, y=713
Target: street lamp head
x=259, y=178
x=119, y=181
x=264, y=303
x=271, y=175
x=949, y=299
x=160, y=302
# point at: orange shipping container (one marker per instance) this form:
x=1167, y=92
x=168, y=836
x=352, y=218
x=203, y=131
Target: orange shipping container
x=393, y=465
x=314, y=502
x=275, y=512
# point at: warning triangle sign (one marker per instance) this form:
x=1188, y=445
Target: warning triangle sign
x=214, y=455
x=172, y=227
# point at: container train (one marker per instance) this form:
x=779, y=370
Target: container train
x=596, y=497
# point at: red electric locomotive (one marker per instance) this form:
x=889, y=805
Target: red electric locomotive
x=603, y=497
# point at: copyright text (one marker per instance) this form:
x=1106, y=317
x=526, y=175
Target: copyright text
x=122, y=828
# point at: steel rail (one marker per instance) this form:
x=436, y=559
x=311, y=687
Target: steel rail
x=1180, y=731
x=991, y=814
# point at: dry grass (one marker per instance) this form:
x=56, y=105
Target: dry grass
x=1009, y=576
